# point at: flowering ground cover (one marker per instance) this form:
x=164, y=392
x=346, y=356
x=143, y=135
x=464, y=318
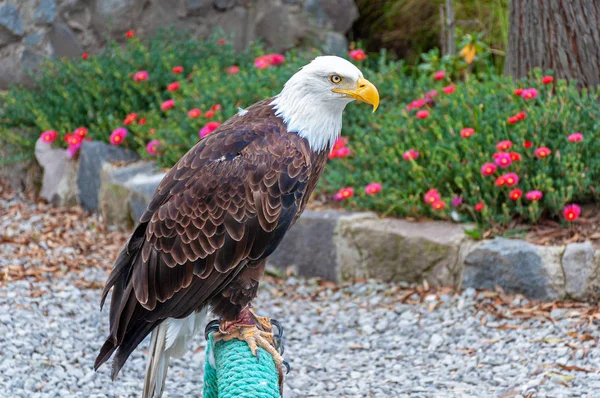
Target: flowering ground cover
x=462, y=144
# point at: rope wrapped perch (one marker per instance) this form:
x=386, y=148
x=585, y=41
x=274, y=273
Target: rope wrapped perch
x=231, y=371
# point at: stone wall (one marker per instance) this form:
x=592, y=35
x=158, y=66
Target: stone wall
x=31, y=30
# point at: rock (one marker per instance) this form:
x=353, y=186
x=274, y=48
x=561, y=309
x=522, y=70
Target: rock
x=223, y=5
x=581, y=271
x=64, y=42
x=92, y=156
x=398, y=250
x=11, y=25
x=59, y=181
x=278, y=28
x=119, y=15
x=25, y=176
x=126, y=191
x=45, y=13
x=336, y=44
x=517, y=267
x=336, y=14
x=310, y=246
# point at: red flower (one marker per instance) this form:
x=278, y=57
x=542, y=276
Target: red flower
x=438, y=205
x=511, y=179
x=208, y=128
x=449, y=89
x=411, y=154
x=209, y=114
x=521, y=115
x=488, y=169
x=132, y=117
x=571, y=212
x=344, y=193
x=268, y=60
x=140, y=76
x=467, y=132
x=502, y=159
x=431, y=196
x=575, y=137
x=512, y=120
x=416, y=104
x=500, y=181
x=373, y=188
x=518, y=91
x=232, y=70
x=547, y=79
x=527, y=144
x=221, y=42
x=80, y=131
x=130, y=34
x=49, y=136
x=529, y=93
x=152, y=147
x=142, y=121
x=357, y=55
x=85, y=56
x=515, y=156
x=534, y=195
x=261, y=62
x=422, y=114
x=479, y=206
x=194, y=113
x=152, y=131
x=73, y=139
x=216, y=107
x=168, y=104
x=504, y=145
x=515, y=194
x=343, y=152
x=173, y=86
x=276, y=59
x=543, y=152
x=340, y=142
x=439, y=75
x=117, y=136
x=178, y=69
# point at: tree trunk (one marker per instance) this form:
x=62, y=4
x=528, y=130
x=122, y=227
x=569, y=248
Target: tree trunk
x=561, y=35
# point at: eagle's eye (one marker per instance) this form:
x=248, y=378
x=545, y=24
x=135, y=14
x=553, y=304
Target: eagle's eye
x=335, y=79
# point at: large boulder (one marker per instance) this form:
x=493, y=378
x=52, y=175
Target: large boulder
x=581, y=266
x=59, y=179
x=92, y=157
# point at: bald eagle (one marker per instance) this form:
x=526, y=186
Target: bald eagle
x=219, y=213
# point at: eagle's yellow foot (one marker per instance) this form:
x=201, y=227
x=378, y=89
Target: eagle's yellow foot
x=256, y=331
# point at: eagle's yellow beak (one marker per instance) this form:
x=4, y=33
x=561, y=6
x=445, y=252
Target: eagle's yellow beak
x=365, y=91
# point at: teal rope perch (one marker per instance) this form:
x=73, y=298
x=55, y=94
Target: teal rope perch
x=235, y=372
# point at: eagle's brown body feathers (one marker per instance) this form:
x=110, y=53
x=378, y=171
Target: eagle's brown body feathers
x=214, y=219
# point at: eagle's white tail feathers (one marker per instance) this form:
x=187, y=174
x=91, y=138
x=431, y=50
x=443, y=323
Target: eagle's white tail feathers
x=169, y=339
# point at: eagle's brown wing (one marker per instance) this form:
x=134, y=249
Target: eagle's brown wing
x=227, y=202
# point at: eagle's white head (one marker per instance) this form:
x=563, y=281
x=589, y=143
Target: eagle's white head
x=312, y=101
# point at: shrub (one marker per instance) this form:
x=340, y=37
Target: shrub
x=429, y=140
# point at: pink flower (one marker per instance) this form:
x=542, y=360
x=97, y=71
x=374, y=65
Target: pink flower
x=177, y=69
x=194, y=113
x=276, y=59
x=515, y=194
x=216, y=107
x=49, y=136
x=262, y=62
x=529, y=93
x=502, y=159
x=571, y=212
x=479, y=206
x=208, y=128
x=422, y=114
x=504, y=145
x=357, y=55
x=152, y=147
x=344, y=193
x=173, y=86
x=431, y=196
x=373, y=188
x=449, y=89
x=232, y=70
x=168, y=104
x=543, y=152
x=431, y=94
x=268, y=60
x=439, y=75
x=438, y=205
x=411, y=154
x=117, y=136
x=416, y=104
x=456, y=201
x=547, y=79
x=575, y=137
x=511, y=179
x=339, y=153
x=140, y=76
x=467, y=132
x=488, y=169
x=533, y=195
x=340, y=142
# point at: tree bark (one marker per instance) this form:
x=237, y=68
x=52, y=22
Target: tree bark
x=561, y=35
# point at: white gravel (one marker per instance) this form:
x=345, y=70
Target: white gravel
x=358, y=341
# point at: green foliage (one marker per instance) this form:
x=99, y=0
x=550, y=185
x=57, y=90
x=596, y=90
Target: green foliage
x=99, y=93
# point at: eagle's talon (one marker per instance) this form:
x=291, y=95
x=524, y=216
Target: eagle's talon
x=287, y=367
x=275, y=322
x=212, y=326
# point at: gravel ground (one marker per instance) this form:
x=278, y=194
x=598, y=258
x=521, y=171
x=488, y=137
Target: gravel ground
x=367, y=339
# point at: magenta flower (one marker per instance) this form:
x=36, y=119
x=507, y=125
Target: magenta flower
x=488, y=169
x=529, y=93
x=152, y=147
x=168, y=104
x=140, y=76
x=431, y=196
x=373, y=188
x=49, y=136
x=571, y=212
x=456, y=201
x=208, y=128
x=411, y=154
x=503, y=159
x=439, y=75
x=575, y=137
x=534, y=195
x=117, y=136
